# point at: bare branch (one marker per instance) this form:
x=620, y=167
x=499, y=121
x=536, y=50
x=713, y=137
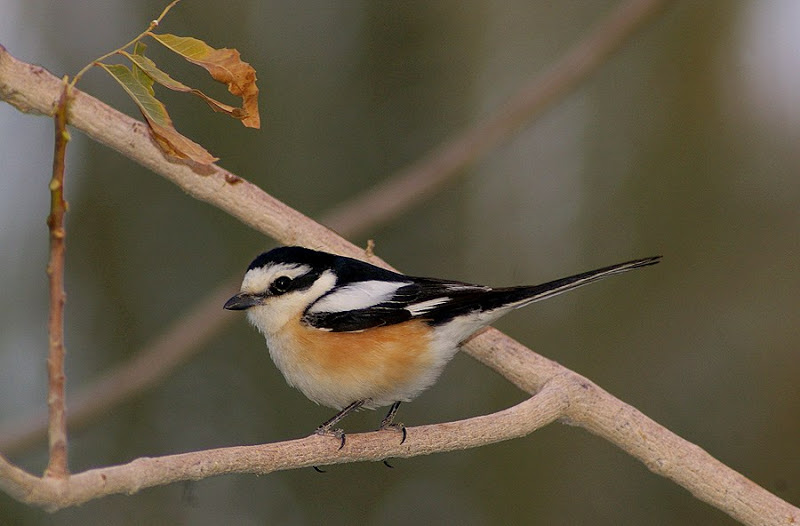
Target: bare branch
x=57, y=425
x=52, y=494
x=378, y=205
x=566, y=395
x=562, y=393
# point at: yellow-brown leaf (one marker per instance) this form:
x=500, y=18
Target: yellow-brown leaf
x=149, y=68
x=224, y=65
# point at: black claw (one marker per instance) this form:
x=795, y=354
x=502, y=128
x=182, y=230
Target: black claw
x=326, y=427
x=336, y=433
x=396, y=427
x=389, y=423
x=389, y=418
x=318, y=470
x=386, y=463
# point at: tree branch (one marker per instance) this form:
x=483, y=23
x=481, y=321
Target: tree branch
x=315, y=450
x=57, y=428
x=561, y=393
x=357, y=215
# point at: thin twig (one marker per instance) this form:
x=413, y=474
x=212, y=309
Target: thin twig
x=149, y=366
x=367, y=211
x=153, y=24
x=58, y=465
x=659, y=449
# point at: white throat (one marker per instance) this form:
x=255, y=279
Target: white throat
x=276, y=311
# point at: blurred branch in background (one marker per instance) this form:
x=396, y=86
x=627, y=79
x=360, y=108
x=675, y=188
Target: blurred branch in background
x=374, y=207
x=427, y=175
x=558, y=392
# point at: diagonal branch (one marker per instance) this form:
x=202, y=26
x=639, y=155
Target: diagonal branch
x=366, y=211
x=424, y=177
x=562, y=393
x=565, y=395
x=147, y=368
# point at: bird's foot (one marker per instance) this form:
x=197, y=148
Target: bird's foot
x=327, y=431
x=395, y=426
x=389, y=423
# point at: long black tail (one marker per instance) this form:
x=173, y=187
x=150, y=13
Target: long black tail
x=529, y=294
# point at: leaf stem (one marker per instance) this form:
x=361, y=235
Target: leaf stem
x=138, y=37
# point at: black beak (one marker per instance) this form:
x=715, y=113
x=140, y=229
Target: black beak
x=242, y=301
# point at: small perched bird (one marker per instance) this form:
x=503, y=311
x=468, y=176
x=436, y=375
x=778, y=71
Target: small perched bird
x=351, y=335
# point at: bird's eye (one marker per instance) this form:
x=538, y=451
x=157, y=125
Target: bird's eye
x=280, y=285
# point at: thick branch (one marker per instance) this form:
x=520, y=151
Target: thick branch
x=669, y=455
x=53, y=494
x=363, y=212
x=572, y=396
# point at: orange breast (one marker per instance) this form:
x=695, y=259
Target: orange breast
x=384, y=362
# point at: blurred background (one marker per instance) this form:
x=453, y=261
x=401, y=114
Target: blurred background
x=683, y=144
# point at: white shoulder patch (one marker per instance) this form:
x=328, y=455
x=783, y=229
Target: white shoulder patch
x=359, y=295
x=424, y=306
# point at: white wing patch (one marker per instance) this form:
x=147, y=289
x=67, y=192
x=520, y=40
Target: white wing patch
x=359, y=295
x=424, y=306
x=465, y=286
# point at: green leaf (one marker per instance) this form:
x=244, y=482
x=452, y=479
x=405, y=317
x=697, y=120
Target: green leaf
x=149, y=68
x=167, y=137
x=140, y=75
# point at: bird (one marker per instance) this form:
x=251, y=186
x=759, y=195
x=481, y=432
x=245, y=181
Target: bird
x=351, y=335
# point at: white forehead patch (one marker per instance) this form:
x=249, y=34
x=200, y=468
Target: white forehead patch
x=359, y=295
x=258, y=279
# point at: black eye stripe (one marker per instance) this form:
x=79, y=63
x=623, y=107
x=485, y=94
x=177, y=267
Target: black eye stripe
x=284, y=284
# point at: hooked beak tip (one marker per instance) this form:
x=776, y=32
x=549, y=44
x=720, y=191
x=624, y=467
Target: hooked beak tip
x=241, y=301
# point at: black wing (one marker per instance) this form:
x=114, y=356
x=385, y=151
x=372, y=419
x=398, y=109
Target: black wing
x=420, y=298
x=438, y=302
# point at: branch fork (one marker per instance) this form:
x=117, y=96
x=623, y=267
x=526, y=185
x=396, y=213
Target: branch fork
x=559, y=394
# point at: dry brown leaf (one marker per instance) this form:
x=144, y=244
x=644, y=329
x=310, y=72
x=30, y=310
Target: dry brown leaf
x=224, y=65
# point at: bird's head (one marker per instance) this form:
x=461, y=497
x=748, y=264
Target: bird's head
x=279, y=285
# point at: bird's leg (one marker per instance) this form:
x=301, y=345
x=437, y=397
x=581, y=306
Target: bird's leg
x=326, y=428
x=388, y=421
